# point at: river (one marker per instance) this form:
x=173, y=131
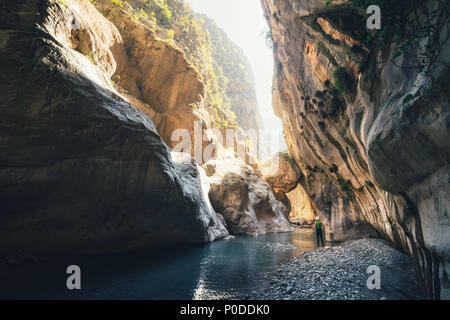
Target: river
x=218, y=270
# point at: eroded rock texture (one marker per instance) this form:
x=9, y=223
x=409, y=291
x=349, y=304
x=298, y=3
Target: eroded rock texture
x=367, y=157
x=82, y=170
x=244, y=199
x=281, y=172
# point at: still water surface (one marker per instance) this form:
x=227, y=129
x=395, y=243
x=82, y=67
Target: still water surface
x=217, y=270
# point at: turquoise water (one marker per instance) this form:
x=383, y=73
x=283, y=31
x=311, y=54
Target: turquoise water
x=218, y=270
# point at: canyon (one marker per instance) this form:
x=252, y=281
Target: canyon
x=93, y=91
x=90, y=97
x=375, y=159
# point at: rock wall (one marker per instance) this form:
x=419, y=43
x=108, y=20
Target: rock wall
x=83, y=170
x=244, y=199
x=90, y=96
x=373, y=147
x=182, y=82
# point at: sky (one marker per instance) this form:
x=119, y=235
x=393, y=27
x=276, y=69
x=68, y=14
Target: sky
x=243, y=21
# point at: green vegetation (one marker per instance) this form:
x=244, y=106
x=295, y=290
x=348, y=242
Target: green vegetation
x=171, y=33
x=330, y=102
x=118, y=3
x=233, y=72
x=342, y=82
x=287, y=155
x=369, y=184
x=268, y=38
x=408, y=98
x=174, y=21
x=90, y=58
x=344, y=184
x=409, y=24
x=139, y=14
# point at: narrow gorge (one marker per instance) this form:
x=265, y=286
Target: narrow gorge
x=134, y=127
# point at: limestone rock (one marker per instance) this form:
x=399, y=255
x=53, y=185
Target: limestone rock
x=302, y=211
x=83, y=171
x=245, y=200
x=281, y=172
x=194, y=179
x=156, y=75
x=367, y=157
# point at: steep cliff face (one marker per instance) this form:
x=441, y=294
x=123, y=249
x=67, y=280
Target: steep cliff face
x=82, y=170
x=90, y=96
x=175, y=73
x=371, y=139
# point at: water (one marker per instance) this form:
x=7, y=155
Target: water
x=219, y=270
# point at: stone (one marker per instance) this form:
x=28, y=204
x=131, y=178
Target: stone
x=83, y=170
x=244, y=199
x=371, y=164
x=281, y=172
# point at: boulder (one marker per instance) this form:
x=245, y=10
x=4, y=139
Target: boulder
x=83, y=171
x=281, y=172
x=244, y=199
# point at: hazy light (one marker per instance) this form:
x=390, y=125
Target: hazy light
x=243, y=21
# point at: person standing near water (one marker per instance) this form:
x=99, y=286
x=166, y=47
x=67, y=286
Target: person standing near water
x=319, y=231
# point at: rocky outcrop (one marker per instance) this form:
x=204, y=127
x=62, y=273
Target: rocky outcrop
x=370, y=139
x=244, y=199
x=83, y=170
x=281, y=172
x=155, y=76
x=302, y=210
x=177, y=81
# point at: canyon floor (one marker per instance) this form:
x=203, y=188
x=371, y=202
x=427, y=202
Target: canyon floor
x=340, y=273
x=272, y=266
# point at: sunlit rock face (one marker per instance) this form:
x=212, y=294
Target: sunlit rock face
x=83, y=170
x=302, y=210
x=244, y=199
x=281, y=172
x=154, y=75
x=366, y=156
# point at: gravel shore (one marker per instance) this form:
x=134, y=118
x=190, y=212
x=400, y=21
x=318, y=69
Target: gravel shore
x=340, y=273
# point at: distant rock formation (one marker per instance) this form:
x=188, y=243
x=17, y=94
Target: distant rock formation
x=240, y=87
x=244, y=199
x=281, y=172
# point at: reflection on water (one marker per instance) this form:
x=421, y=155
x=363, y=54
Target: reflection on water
x=218, y=270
